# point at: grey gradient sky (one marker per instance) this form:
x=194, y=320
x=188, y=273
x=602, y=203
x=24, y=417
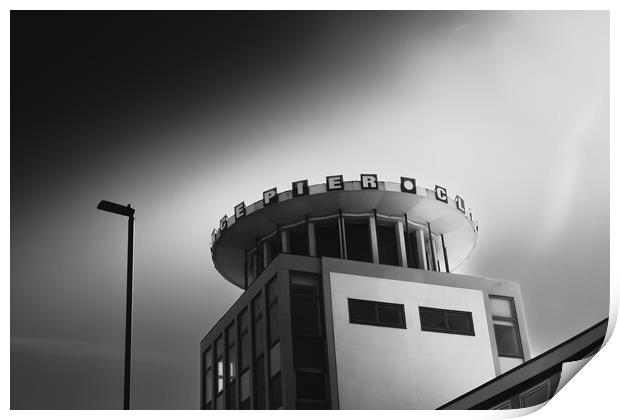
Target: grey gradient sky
x=185, y=115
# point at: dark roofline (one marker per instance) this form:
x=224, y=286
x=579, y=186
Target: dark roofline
x=508, y=383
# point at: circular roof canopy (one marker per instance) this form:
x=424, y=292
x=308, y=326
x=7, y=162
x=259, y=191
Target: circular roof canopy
x=422, y=208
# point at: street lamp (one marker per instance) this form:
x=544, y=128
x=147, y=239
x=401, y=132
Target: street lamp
x=129, y=212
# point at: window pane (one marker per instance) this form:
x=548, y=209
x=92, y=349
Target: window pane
x=310, y=385
x=245, y=350
x=274, y=324
x=361, y=310
x=230, y=335
x=535, y=396
x=220, y=375
x=304, y=290
x=245, y=386
x=272, y=291
x=260, y=257
x=460, y=322
x=274, y=246
x=243, y=321
x=298, y=240
x=219, y=347
x=413, y=260
x=259, y=383
x=358, y=240
x=219, y=402
x=275, y=386
x=432, y=319
x=232, y=363
x=208, y=359
x=305, y=316
x=257, y=306
x=274, y=359
x=501, y=307
x=507, y=341
x=390, y=314
x=386, y=242
x=209, y=385
x=232, y=395
x=250, y=267
x=259, y=337
x=308, y=353
x=327, y=239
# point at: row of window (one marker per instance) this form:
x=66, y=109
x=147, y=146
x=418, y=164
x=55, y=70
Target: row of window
x=257, y=383
x=384, y=314
x=537, y=394
x=245, y=344
x=349, y=238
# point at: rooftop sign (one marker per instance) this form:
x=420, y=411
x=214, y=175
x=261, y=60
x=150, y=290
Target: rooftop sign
x=332, y=183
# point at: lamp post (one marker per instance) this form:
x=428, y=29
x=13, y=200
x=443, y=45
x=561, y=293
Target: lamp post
x=129, y=212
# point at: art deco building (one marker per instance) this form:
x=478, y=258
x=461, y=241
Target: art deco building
x=351, y=301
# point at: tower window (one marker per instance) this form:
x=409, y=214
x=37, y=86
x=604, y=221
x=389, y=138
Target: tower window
x=446, y=321
x=298, y=240
x=357, y=235
x=506, y=326
x=381, y=314
x=327, y=235
x=386, y=242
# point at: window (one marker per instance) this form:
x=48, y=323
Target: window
x=245, y=391
x=275, y=378
x=536, y=395
x=308, y=341
x=506, y=326
x=250, y=267
x=506, y=405
x=219, y=366
x=446, y=321
x=413, y=259
x=259, y=383
x=298, y=240
x=260, y=258
x=231, y=364
x=208, y=379
x=386, y=243
x=380, y=314
x=259, y=351
x=357, y=238
x=272, y=311
x=275, y=385
x=244, y=340
x=327, y=237
x=274, y=246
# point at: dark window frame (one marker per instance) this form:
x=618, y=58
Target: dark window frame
x=376, y=322
x=512, y=319
x=446, y=313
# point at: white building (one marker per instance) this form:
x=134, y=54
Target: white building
x=349, y=302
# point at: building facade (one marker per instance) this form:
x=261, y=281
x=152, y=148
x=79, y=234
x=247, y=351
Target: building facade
x=349, y=302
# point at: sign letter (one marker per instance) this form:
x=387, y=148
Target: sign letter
x=239, y=210
x=223, y=223
x=460, y=203
x=441, y=194
x=270, y=196
x=334, y=183
x=369, y=181
x=300, y=188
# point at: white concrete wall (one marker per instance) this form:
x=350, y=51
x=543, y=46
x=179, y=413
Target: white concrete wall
x=508, y=363
x=390, y=368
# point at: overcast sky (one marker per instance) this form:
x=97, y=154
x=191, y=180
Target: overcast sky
x=185, y=115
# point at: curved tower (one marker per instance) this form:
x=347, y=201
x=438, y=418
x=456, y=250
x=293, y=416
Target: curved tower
x=351, y=301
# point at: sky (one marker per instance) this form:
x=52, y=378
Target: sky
x=184, y=115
